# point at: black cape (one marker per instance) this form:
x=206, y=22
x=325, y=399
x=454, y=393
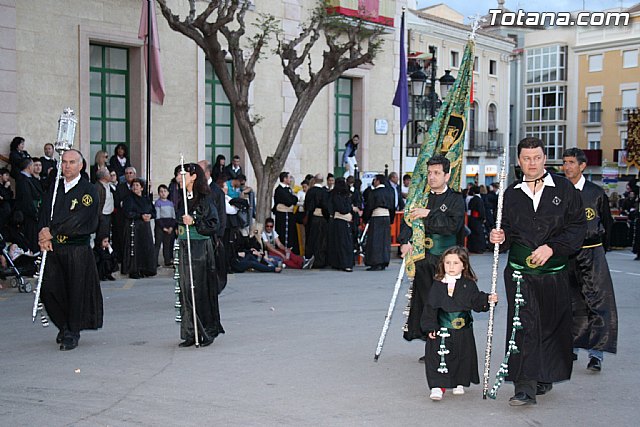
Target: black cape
x=340, y=236
x=316, y=232
x=139, y=251
x=378, y=246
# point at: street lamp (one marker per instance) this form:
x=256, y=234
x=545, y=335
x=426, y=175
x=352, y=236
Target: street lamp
x=446, y=82
x=418, y=82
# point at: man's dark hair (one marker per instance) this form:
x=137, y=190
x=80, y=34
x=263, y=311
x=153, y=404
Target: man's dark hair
x=439, y=159
x=283, y=175
x=36, y=159
x=3, y=171
x=241, y=177
x=48, y=143
x=24, y=163
x=406, y=176
x=304, y=181
x=269, y=221
x=530, y=142
x=330, y=175
x=380, y=178
x=577, y=153
x=236, y=157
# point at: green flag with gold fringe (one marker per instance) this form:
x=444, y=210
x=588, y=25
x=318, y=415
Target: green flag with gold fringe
x=445, y=137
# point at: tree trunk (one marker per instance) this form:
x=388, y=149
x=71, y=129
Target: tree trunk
x=264, y=193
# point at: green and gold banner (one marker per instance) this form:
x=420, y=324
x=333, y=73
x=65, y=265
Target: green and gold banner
x=446, y=137
x=633, y=140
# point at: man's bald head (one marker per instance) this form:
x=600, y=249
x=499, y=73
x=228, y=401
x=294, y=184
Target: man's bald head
x=71, y=164
x=205, y=165
x=319, y=178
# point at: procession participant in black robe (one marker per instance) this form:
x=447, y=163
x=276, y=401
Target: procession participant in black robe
x=28, y=200
x=284, y=201
x=315, y=207
x=379, y=212
x=138, y=260
x=357, y=202
x=443, y=218
x=595, y=317
x=202, y=219
x=219, y=201
x=476, y=242
x=449, y=323
x=70, y=286
x=340, y=236
x=123, y=190
x=543, y=224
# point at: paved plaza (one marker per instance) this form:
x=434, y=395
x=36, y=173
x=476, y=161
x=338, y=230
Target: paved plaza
x=298, y=352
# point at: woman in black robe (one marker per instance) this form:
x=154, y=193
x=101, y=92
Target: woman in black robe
x=379, y=213
x=476, y=242
x=201, y=217
x=138, y=259
x=340, y=236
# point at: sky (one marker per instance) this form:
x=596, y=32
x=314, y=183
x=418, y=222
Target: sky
x=468, y=8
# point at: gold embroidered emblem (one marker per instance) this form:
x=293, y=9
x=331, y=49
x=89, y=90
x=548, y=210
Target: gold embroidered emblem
x=590, y=213
x=87, y=200
x=428, y=243
x=61, y=238
x=450, y=138
x=181, y=230
x=530, y=263
x=74, y=202
x=458, y=323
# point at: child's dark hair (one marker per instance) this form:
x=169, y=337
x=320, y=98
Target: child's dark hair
x=161, y=186
x=463, y=254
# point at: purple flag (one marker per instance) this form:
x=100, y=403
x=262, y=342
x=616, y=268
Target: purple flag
x=401, y=99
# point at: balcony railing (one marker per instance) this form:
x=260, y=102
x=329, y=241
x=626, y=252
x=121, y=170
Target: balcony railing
x=622, y=114
x=485, y=141
x=592, y=117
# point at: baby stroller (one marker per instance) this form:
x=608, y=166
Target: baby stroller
x=18, y=269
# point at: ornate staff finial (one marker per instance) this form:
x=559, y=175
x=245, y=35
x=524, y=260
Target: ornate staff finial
x=476, y=23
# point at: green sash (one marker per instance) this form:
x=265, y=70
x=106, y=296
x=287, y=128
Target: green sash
x=455, y=319
x=81, y=240
x=520, y=260
x=436, y=244
x=193, y=233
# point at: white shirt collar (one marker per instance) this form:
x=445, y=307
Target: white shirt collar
x=546, y=182
x=318, y=185
x=446, y=187
x=210, y=180
x=379, y=186
x=580, y=184
x=283, y=185
x=69, y=185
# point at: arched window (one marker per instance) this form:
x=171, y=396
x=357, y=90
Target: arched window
x=492, y=128
x=473, y=115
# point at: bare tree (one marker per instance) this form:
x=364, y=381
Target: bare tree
x=220, y=31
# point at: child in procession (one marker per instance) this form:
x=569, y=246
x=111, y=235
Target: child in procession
x=450, y=350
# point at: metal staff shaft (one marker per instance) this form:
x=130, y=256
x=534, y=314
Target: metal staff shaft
x=43, y=261
x=193, y=289
x=392, y=305
x=494, y=278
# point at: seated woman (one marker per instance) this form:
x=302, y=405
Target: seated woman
x=248, y=255
x=138, y=258
x=274, y=246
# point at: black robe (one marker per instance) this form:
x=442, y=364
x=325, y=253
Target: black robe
x=316, y=232
x=218, y=197
x=340, y=235
x=462, y=360
x=595, y=317
x=378, y=246
x=139, y=251
x=476, y=241
x=71, y=287
x=203, y=266
x=285, y=221
x=28, y=201
x=446, y=218
x=545, y=341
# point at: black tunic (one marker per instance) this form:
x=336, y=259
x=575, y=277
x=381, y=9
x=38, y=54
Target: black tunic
x=446, y=218
x=595, y=317
x=139, y=251
x=378, y=246
x=545, y=342
x=340, y=236
x=316, y=244
x=462, y=360
x=28, y=201
x=218, y=198
x=71, y=288
x=205, y=277
x=285, y=221
x=476, y=241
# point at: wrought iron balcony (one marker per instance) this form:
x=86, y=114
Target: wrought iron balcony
x=622, y=114
x=490, y=141
x=592, y=117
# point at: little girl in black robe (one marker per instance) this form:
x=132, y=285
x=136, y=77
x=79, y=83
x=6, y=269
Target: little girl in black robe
x=450, y=351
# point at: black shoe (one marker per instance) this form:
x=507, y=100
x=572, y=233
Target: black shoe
x=421, y=360
x=543, y=388
x=187, y=343
x=110, y=278
x=522, y=399
x=374, y=268
x=60, y=337
x=70, y=341
x=135, y=276
x=594, y=365
x=206, y=341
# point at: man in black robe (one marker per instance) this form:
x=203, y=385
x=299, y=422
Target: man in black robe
x=595, y=317
x=28, y=200
x=315, y=207
x=443, y=218
x=543, y=224
x=379, y=212
x=71, y=288
x=283, y=203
